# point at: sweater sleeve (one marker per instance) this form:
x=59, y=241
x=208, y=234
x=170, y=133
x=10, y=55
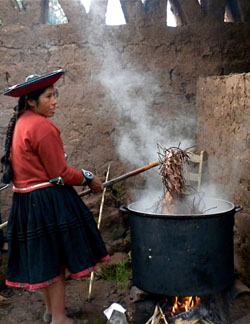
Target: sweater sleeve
x=51, y=153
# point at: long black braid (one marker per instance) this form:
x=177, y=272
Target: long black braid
x=6, y=165
x=7, y=169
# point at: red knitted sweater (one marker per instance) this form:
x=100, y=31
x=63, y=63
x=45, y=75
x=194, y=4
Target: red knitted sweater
x=37, y=154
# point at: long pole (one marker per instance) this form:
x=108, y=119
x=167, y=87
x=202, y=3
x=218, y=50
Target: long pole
x=123, y=177
x=113, y=181
x=98, y=226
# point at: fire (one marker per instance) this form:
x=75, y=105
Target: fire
x=184, y=304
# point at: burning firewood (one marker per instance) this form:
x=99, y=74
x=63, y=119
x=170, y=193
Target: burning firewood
x=157, y=316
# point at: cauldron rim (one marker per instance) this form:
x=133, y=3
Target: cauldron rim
x=180, y=216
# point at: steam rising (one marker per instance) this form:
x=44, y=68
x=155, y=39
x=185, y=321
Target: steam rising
x=135, y=96
x=145, y=111
x=140, y=110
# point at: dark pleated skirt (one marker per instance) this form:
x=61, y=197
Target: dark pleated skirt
x=49, y=229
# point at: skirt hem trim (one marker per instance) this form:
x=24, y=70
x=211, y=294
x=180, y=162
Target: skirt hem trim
x=45, y=284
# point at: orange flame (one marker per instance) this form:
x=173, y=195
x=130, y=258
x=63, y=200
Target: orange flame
x=184, y=304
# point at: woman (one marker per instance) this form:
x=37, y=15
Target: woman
x=49, y=228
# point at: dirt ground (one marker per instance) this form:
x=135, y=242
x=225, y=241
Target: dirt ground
x=27, y=306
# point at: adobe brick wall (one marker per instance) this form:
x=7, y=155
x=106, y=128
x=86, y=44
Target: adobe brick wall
x=223, y=110
x=129, y=87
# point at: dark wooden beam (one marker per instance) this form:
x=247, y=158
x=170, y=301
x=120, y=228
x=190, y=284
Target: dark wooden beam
x=189, y=11
x=244, y=10
x=177, y=11
x=228, y=15
x=216, y=10
x=204, y=6
x=156, y=11
x=234, y=9
x=45, y=11
x=74, y=10
x=133, y=10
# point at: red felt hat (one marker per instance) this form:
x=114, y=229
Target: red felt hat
x=33, y=83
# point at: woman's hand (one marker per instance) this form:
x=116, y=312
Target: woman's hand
x=96, y=185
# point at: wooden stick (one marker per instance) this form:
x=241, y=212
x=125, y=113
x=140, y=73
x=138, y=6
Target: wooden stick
x=108, y=183
x=152, y=318
x=158, y=317
x=102, y=201
x=3, y=225
x=163, y=315
x=123, y=177
x=149, y=320
x=98, y=226
x=4, y=187
x=154, y=315
x=90, y=285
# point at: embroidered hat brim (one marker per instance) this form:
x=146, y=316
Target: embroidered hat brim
x=34, y=83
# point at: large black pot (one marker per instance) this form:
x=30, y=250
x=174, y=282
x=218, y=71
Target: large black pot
x=183, y=255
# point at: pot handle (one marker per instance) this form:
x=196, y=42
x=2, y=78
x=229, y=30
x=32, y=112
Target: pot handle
x=238, y=208
x=124, y=209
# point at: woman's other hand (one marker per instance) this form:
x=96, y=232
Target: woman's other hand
x=96, y=185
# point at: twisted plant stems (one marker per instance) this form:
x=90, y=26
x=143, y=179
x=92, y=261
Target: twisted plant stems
x=172, y=167
x=178, y=196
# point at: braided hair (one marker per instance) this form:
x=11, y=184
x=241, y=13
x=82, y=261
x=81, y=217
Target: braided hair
x=22, y=105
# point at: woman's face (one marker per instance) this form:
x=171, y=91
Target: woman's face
x=46, y=103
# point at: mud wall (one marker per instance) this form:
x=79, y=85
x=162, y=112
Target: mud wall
x=113, y=72
x=223, y=110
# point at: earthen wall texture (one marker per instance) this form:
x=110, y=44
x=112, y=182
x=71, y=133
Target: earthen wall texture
x=143, y=53
x=223, y=110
